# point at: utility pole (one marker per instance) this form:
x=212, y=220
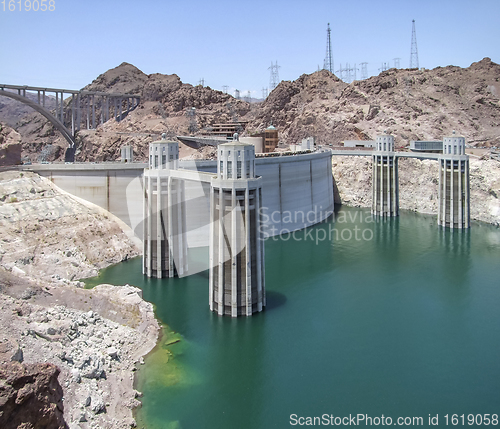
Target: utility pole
x=414, y=50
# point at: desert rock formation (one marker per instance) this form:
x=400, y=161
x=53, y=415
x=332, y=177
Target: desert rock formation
x=409, y=103
x=10, y=146
x=95, y=337
x=30, y=396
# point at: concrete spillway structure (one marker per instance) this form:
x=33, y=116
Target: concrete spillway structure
x=454, y=188
x=164, y=235
x=385, y=186
x=236, y=281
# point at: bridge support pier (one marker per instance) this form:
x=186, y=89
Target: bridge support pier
x=385, y=184
x=236, y=276
x=454, y=187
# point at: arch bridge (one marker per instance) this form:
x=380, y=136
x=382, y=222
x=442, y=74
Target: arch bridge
x=81, y=108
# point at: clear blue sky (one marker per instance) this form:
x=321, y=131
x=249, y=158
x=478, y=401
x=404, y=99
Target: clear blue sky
x=233, y=42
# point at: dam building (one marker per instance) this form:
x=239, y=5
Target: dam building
x=385, y=188
x=454, y=187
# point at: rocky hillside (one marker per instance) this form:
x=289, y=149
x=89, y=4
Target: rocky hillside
x=30, y=396
x=165, y=101
x=410, y=104
x=10, y=146
x=95, y=337
x=48, y=234
x=11, y=111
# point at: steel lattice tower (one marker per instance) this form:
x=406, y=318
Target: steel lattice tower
x=414, y=50
x=328, y=65
x=364, y=71
x=274, y=79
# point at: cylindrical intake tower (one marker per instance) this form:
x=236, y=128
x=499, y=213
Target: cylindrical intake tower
x=385, y=186
x=236, y=240
x=165, y=246
x=454, y=188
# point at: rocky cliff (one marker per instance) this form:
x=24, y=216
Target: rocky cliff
x=48, y=234
x=30, y=396
x=96, y=337
x=10, y=146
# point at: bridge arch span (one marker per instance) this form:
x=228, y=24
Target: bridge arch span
x=43, y=111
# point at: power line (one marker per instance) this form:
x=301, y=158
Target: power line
x=414, y=50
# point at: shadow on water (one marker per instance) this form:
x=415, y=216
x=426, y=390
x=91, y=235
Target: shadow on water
x=274, y=300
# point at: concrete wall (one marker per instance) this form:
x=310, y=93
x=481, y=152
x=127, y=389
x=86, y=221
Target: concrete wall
x=297, y=191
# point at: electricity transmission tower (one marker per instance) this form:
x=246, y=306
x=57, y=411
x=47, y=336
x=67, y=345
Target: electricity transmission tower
x=340, y=72
x=384, y=67
x=202, y=82
x=264, y=93
x=225, y=88
x=275, y=78
x=328, y=64
x=396, y=62
x=414, y=50
x=237, y=94
x=364, y=71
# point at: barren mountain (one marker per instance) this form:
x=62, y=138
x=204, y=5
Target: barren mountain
x=165, y=102
x=409, y=103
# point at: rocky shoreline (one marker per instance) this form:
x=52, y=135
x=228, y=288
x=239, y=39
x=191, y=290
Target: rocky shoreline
x=96, y=338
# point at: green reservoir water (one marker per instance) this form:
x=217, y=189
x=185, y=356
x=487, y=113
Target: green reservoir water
x=405, y=324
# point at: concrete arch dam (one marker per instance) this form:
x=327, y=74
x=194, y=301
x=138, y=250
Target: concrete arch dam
x=297, y=191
